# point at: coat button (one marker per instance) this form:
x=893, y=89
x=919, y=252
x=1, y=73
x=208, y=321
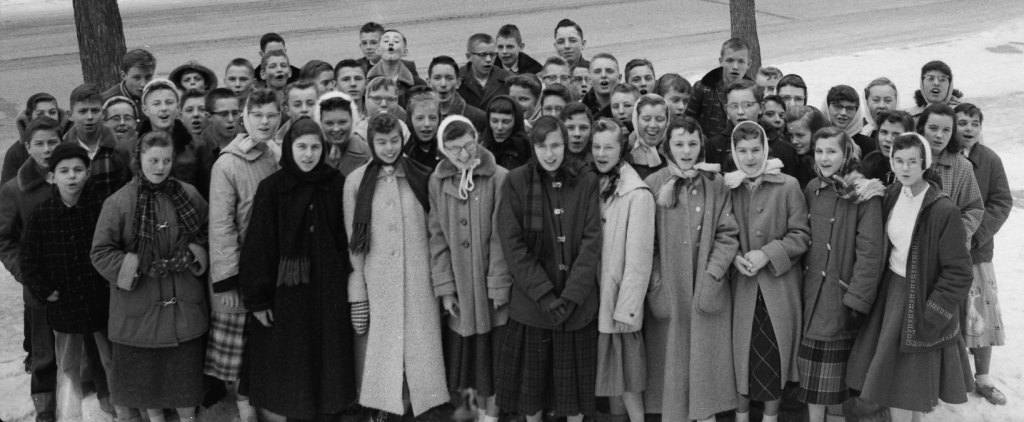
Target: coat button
x=310, y=207
x=464, y=222
x=465, y=244
x=698, y=209
x=694, y=192
x=311, y=228
x=760, y=209
x=758, y=234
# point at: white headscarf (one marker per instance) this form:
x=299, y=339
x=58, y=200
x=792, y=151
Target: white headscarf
x=466, y=184
x=735, y=178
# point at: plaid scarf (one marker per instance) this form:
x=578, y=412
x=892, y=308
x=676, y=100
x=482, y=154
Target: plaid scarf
x=533, y=212
x=145, y=224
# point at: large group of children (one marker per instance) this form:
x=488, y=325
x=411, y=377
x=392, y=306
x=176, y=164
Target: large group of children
x=534, y=235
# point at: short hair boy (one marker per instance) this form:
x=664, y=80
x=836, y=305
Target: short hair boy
x=480, y=79
x=193, y=112
x=443, y=78
x=369, y=42
x=137, y=68
x=276, y=71
x=510, y=51
x=580, y=81
x=767, y=78
x=640, y=73
x=604, y=74
x=556, y=71
x=321, y=74
x=706, y=102
x=109, y=164
x=351, y=79
x=273, y=42
x=239, y=77
x=392, y=49
x=569, y=42
x=56, y=267
x=38, y=105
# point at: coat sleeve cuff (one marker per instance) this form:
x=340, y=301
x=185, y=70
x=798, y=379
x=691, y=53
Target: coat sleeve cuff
x=499, y=288
x=778, y=258
x=444, y=284
x=716, y=272
x=856, y=303
x=226, y=285
x=631, y=317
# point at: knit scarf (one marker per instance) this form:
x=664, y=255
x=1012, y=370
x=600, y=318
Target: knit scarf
x=668, y=195
x=145, y=224
x=533, y=212
x=609, y=181
x=416, y=174
x=842, y=180
x=298, y=213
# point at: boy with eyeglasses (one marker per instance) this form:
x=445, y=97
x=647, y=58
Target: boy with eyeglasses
x=480, y=80
x=557, y=71
x=224, y=113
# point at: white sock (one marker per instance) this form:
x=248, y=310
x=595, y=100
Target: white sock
x=982, y=379
x=742, y=416
x=485, y=418
x=767, y=418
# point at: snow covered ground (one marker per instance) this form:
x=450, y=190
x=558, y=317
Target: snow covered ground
x=987, y=67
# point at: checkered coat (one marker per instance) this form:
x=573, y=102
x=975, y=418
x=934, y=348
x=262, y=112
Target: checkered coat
x=55, y=257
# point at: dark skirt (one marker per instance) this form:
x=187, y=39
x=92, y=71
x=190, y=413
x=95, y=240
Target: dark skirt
x=822, y=367
x=542, y=369
x=911, y=381
x=765, y=360
x=158, y=378
x=470, y=361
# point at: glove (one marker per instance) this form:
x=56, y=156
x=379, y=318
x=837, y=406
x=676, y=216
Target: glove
x=200, y=261
x=361, y=317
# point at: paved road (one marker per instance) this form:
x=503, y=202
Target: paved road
x=39, y=52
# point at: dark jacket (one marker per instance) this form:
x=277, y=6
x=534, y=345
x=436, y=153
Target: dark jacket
x=995, y=191
x=514, y=151
x=843, y=264
x=867, y=144
x=18, y=198
x=55, y=257
x=428, y=158
x=543, y=268
x=596, y=109
x=478, y=96
x=17, y=154
x=475, y=115
x=111, y=168
x=875, y=165
x=525, y=63
x=938, y=272
x=707, y=105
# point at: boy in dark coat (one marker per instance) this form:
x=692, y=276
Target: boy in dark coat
x=480, y=80
x=510, y=51
x=137, y=68
x=707, y=104
x=56, y=268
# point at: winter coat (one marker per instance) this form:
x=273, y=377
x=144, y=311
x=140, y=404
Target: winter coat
x=689, y=348
x=145, y=315
x=524, y=64
x=122, y=90
x=55, y=258
x=302, y=365
x=18, y=198
x=542, y=268
x=356, y=153
x=111, y=168
x=409, y=64
x=429, y=158
x=208, y=149
x=844, y=263
x=474, y=114
x=995, y=192
x=234, y=179
x=958, y=182
x=771, y=218
x=939, y=273
x=404, y=339
x=466, y=259
x=479, y=96
x=627, y=251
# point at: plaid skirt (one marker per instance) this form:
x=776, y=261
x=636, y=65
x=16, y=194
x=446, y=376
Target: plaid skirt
x=470, y=361
x=765, y=360
x=822, y=367
x=541, y=369
x=225, y=346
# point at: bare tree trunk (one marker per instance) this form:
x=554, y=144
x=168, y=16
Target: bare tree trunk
x=743, y=25
x=100, y=41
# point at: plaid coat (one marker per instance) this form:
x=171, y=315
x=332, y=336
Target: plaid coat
x=110, y=169
x=55, y=257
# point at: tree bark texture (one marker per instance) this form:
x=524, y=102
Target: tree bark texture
x=100, y=41
x=743, y=25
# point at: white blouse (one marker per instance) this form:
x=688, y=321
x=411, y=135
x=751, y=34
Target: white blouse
x=900, y=228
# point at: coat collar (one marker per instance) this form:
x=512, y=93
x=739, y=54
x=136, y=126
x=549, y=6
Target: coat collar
x=498, y=75
x=629, y=180
x=108, y=139
x=404, y=75
x=30, y=176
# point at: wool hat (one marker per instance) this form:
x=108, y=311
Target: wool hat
x=160, y=83
x=65, y=151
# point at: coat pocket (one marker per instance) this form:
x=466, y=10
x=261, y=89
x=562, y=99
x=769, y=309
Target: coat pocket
x=712, y=296
x=658, y=301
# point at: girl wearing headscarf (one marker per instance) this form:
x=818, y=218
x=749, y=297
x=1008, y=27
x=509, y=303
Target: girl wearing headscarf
x=650, y=120
x=689, y=346
x=879, y=96
x=838, y=103
x=386, y=205
x=911, y=352
x=627, y=248
x=551, y=234
x=293, y=266
x=234, y=179
x=150, y=244
x=936, y=88
x=772, y=218
x=336, y=113
x=467, y=264
x=844, y=265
